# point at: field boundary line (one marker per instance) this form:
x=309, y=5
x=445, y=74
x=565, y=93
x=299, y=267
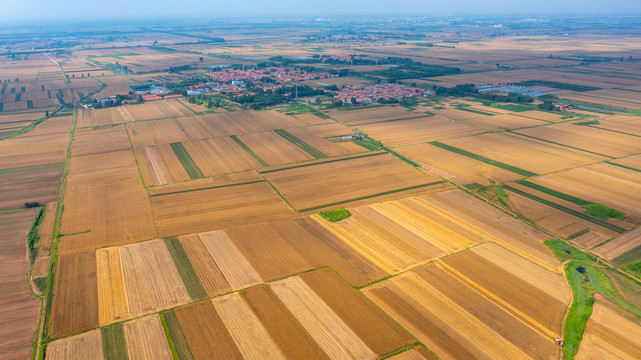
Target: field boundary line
x=300, y=144
x=207, y=188
x=357, y=156
x=248, y=150
x=556, y=143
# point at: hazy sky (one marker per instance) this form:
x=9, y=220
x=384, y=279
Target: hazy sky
x=127, y=9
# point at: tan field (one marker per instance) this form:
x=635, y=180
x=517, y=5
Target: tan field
x=316, y=186
x=102, y=117
x=87, y=346
x=273, y=148
x=220, y=156
x=146, y=339
x=330, y=149
x=620, y=245
x=89, y=142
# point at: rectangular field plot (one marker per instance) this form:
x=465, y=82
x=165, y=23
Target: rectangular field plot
x=156, y=110
x=84, y=346
x=456, y=167
x=628, y=243
x=146, y=339
x=429, y=128
x=477, y=303
x=220, y=156
x=102, y=117
x=327, y=184
x=310, y=317
x=523, y=153
x=160, y=165
x=216, y=208
x=89, y=142
x=587, y=138
x=105, y=208
x=39, y=183
x=137, y=279
x=273, y=149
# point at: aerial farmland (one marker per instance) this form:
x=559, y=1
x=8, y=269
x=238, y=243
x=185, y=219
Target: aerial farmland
x=316, y=190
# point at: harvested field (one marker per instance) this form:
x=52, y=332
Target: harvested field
x=113, y=304
x=30, y=151
x=205, y=332
x=619, y=245
x=208, y=183
x=146, y=339
x=75, y=297
x=368, y=113
x=101, y=162
x=40, y=183
x=89, y=142
x=308, y=188
x=375, y=328
x=455, y=166
x=273, y=148
x=608, y=335
x=151, y=280
x=463, y=313
x=417, y=353
x=208, y=271
x=220, y=156
x=329, y=149
x=54, y=125
x=330, y=130
x=102, y=117
x=237, y=270
x=502, y=122
x=268, y=251
x=590, y=239
x=156, y=110
x=249, y=335
x=160, y=165
x=587, y=138
x=633, y=162
x=286, y=331
x=107, y=208
x=328, y=329
x=411, y=131
x=84, y=346
x=524, y=153
x=18, y=308
x=216, y=208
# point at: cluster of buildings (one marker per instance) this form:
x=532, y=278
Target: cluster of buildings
x=369, y=94
x=234, y=79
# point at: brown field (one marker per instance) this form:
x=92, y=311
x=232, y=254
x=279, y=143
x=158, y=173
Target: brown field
x=54, y=125
x=330, y=130
x=26, y=151
x=219, y=181
x=268, y=251
x=160, y=165
x=318, y=185
x=88, y=142
x=368, y=113
x=501, y=122
x=157, y=132
x=608, y=335
x=40, y=183
x=18, y=308
x=460, y=311
x=375, y=328
x=619, y=245
x=311, y=119
x=220, y=156
x=146, y=339
x=112, y=206
x=273, y=148
x=156, y=110
x=45, y=232
x=216, y=208
x=417, y=353
x=75, y=297
x=429, y=128
x=590, y=240
x=205, y=331
x=455, y=167
x=332, y=334
x=210, y=274
x=588, y=138
x=84, y=346
x=525, y=153
x=101, y=162
x=602, y=183
x=102, y=117
x=249, y=335
x=330, y=149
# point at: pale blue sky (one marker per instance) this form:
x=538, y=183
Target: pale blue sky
x=27, y=10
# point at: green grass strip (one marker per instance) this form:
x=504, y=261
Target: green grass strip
x=483, y=159
x=321, y=162
x=114, y=345
x=401, y=157
x=628, y=256
x=18, y=97
x=177, y=335
x=475, y=111
x=188, y=274
x=623, y=166
x=22, y=89
x=301, y=144
x=185, y=105
x=29, y=104
x=170, y=341
x=249, y=151
x=580, y=215
x=367, y=143
x=513, y=107
x=372, y=196
x=554, y=193
x=207, y=188
x=188, y=163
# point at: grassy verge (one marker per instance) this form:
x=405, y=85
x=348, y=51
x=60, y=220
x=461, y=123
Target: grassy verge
x=335, y=215
x=249, y=151
x=580, y=215
x=188, y=163
x=401, y=157
x=463, y=108
x=301, y=144
x=513, y=107
x=114, y=345
x=32, y=235
x=494, y=193
x=177, y=335
x=603, y=212
x=186, y=270
x=367, y=143
x=206, y=188
x=483, y=159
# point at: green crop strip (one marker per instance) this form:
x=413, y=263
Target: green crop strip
x=301, y=144
x=483, y=159
x=554, y=193
x=475, y=111
x=188, y=163
x=556, y=143
x=629, y=256
x=114, y=345
x=249, y=151
x=580, y=215
x=177, y=335
x=207, y=188
x=623, y=166
x=186, y=270
x=321, y=162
